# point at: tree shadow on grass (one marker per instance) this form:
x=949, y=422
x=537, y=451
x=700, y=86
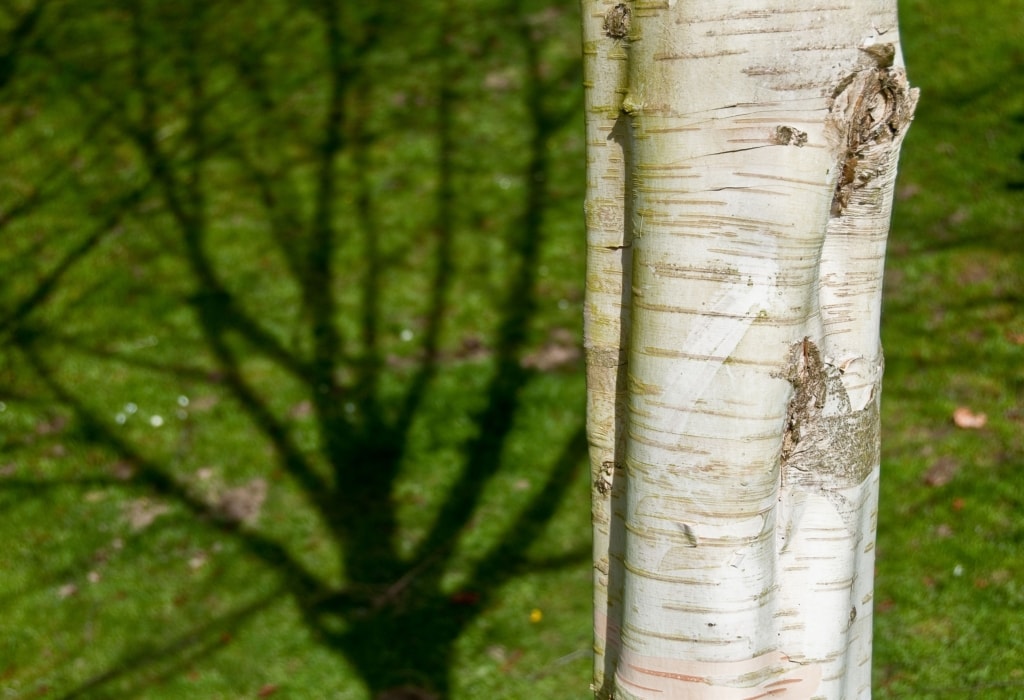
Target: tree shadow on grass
x=205, y=112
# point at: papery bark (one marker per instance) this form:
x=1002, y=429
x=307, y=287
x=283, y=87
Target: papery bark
x=606, y=28
x=759, y=165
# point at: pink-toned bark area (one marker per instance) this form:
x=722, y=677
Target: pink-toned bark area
x=672, y=679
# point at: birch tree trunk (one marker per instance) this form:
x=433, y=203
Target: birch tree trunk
x=606, y=311
x=734, y=550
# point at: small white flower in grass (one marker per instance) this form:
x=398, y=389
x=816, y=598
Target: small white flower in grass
x=156, y=421
x=130, y=408
x=183, y=401
x=120, y=418
x=406, y=335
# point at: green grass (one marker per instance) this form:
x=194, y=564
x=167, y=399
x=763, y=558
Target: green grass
x=950, y=570
x=229, y=470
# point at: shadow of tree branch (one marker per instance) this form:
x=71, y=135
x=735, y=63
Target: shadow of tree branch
x=178, y=83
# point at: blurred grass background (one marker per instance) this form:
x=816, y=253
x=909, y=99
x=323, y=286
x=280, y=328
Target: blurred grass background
x=291, y=395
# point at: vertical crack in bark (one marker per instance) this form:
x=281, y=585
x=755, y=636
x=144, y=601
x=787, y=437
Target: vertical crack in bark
x=869, y=108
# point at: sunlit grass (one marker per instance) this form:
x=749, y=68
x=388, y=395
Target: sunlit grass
x=169, y=433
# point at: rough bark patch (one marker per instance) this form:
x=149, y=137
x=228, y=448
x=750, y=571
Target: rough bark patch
x=788, y=136
x=826, y=444
x=603, y=480
x=869, y=108
x=617, y=21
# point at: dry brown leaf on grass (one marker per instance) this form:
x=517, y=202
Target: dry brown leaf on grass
x=141, y=512
x=122, y=470
x=941, y=472
x=561, y=350
x=964, y=417
x=551, y=357
x=243, y=503
x=303, y=409
x=406, y=692
x=1015, y=337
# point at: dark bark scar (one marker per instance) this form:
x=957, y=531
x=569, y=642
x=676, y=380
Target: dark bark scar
x=875, y=105
x=826, y=444
x=617, y=21
x=807, y=375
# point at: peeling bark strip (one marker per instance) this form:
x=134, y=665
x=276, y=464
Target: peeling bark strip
x=741, y=162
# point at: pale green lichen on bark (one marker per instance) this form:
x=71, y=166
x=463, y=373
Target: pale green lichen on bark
x=826, y=443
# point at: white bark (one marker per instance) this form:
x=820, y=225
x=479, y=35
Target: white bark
x=606, y=315
x=763, y=154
